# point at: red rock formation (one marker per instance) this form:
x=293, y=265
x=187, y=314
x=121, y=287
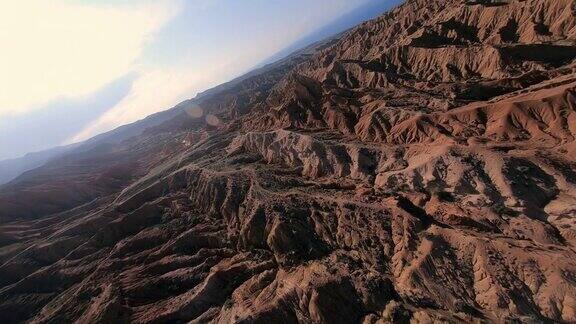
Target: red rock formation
x=421, y=167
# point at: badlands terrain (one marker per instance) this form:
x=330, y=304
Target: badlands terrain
x=419, y=168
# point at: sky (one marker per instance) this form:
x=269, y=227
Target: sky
x=72, y=69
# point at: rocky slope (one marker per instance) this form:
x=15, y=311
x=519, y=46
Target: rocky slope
x=420, y=168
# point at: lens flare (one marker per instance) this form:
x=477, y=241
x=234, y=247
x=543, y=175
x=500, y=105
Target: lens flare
x=212, y=120
x=195, y=112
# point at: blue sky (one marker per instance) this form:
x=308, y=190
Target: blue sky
x=75, y=68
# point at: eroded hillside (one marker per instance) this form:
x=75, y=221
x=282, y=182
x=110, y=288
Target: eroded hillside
x=422, y=167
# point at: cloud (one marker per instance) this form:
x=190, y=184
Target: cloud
x=154, y=90
x=157, y=89
x=236, y=43
x=54, y=49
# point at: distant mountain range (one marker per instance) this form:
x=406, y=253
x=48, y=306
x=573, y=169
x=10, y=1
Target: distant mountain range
x=417, y=168
x=12, y=168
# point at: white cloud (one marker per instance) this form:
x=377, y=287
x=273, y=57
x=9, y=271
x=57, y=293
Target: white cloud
x=153, y=91
x=159, y=88
x=54, y=48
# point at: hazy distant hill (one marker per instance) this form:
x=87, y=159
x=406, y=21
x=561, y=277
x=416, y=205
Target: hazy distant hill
x=418, y=168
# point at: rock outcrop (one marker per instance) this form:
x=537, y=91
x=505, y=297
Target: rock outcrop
x=421, y=168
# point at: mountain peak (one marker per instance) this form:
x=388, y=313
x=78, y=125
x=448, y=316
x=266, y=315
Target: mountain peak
x=419, y=167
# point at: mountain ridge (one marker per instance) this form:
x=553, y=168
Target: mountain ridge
x=419, y=168
x=12, y=168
